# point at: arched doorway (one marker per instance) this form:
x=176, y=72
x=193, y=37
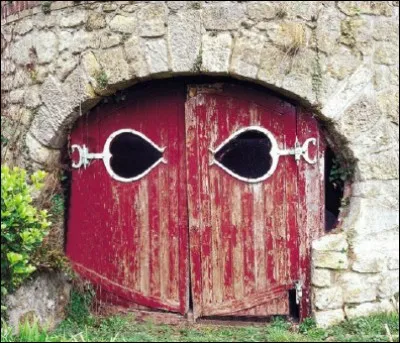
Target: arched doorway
x=201, y=197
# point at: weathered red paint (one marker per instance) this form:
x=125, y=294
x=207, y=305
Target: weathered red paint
x=311, y=205
x=131, y=238
x=245, y=249
x=245, y=244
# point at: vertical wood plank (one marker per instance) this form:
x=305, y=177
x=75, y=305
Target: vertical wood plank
x=311, y=203
x=193, y=193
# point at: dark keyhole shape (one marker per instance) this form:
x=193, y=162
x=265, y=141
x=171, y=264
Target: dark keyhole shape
x=247, y=155
x=132, y=155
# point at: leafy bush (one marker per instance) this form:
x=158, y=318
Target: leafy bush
x=23, y=227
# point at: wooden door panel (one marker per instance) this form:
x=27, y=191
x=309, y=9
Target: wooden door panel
x=130, y=238
x=241, y=229
x=311, y=206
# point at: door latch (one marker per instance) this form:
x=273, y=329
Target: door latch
x=299, y=291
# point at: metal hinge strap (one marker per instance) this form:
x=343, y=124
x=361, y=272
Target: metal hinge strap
x=84, y=156
x=301, y=150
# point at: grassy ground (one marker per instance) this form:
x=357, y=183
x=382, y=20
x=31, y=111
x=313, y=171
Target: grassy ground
x=81, y=326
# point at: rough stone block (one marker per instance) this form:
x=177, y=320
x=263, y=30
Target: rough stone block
x=184, y=31
x=355, y=8
x=72, y=19
x=130, y=7
x=153, y=18
x=291, y=37
x=386, y=29
x=110, y=40
x=92, y=70
x=393, y=263
x=332, y=242
x=32, y=97
x=95, y=21
x=330, y=259
x=304, y=10
x=175, y=5
x=300, y=78
x=78, y=88
x=357, y=32
x=385, y=101
x=80, y=41
x=260, y=10
x=45, y=298
x=41, y=154
x=40, y=47
x=156, y=53
x=368, y=309
x=216, y=52
x=273, y=65
x=386, y=53
x=347, y=92
x=321, y=277
x=246, y=54
x=16, y=96
x=46, y=21
x=223, y=17
x=114, y=65
x=359, y=118
x=389, y=284
x=135, y=55
x=341, y=63
x=359, y=288
x=123, y=24
x=382, y=165
x=325, y=319
x=372, y=218
x=23, y=26
x=368, y=261
x=65, y=65
x=328, y=35
x=65, y=40
x=46, y=46
x=328, y=298
x=109, y=7
x=61, y=101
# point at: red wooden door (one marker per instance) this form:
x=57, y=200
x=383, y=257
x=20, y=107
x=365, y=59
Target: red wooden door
x=247, y=237
x=244, y=237
x=130, y=238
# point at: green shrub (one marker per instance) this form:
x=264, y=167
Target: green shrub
x=23, y=227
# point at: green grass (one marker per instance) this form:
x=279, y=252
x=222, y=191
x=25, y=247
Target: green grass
x=81, y=326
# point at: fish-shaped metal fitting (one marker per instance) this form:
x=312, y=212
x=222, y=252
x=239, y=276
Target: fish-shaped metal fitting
x=251, y=154
x=247, y=154
x=128, y=155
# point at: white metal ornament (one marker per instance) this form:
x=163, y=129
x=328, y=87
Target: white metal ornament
x=85, y=157
x=298, y=151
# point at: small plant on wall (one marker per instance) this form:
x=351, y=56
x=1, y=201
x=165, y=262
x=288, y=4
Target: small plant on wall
x=23, y=227
x=340, y=173
x=102, y=79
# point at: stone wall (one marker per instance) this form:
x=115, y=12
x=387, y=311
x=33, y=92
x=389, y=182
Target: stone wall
x=340, y=58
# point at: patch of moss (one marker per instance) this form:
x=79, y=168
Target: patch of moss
x=102, y=79
x=46, y=6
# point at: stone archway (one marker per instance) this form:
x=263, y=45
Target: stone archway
x=59, y=65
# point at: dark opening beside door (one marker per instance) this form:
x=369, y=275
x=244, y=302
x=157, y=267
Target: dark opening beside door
x=137, y=239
